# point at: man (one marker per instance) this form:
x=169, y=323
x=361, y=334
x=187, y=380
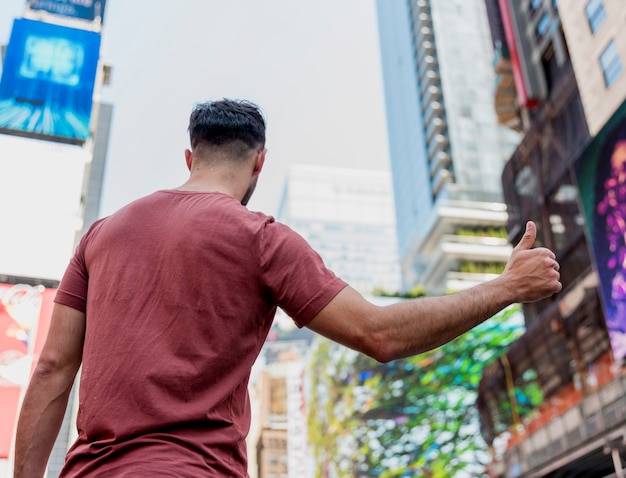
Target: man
x=167, y=303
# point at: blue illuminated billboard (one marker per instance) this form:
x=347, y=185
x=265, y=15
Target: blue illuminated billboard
x=48, y=78
x=84, y=9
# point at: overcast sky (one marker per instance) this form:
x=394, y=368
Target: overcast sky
x=313, y=66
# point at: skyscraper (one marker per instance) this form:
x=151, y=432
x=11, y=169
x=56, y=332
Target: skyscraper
x=447, y=149
x=347, y=217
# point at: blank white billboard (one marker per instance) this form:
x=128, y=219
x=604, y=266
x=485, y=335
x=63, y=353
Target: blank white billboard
x=40, y=205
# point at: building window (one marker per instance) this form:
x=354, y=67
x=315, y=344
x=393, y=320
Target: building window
x=534, y=7
x=550, y=66
x=610, y=63
x=595, y=14
x=543, y=26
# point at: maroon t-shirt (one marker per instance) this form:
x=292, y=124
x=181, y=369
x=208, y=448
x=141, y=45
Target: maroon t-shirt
x=180, y=290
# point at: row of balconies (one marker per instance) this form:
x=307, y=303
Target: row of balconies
x=433, y=112
x=456, y=250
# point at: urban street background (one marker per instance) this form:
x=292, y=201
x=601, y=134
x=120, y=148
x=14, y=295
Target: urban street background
x=495, y=112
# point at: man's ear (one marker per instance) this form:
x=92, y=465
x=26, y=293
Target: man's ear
x=259, y=160
x=188, y=158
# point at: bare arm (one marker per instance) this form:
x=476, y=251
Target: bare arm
x=415, y=326
x=47, y=395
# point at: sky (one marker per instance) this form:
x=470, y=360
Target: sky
x=313, y=66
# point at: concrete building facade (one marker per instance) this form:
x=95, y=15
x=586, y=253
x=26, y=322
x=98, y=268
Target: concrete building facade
x=278, y=444
x=597, y=46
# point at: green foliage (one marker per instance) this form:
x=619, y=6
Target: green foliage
x=482, y=267
x=499, y=232
x=413, y=293
x=409, y=417
x=527, y=396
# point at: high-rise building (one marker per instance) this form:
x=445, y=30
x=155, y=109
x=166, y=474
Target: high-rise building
x=53, y=145
x=554, y=404
x=447, y=148
x=347, y=217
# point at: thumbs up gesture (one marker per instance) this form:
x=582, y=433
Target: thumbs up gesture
x=531, y=274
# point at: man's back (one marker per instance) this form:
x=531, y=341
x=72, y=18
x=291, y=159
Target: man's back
x=179, y=304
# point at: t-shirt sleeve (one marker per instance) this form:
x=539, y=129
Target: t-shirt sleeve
x=295, y=275
x=72, y=290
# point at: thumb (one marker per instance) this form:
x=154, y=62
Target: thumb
x=529, y=237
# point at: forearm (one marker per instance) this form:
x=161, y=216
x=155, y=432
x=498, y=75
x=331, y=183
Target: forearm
x=409, y=327
x=416, y=326
x=412, y=327
x=40, y=419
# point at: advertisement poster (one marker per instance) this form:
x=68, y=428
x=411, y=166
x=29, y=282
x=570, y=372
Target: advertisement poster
x=48, y=79
x=601, y=174
x=24, y=320
x=84, y=9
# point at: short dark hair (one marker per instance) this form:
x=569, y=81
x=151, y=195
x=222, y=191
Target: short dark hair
x=224, y=122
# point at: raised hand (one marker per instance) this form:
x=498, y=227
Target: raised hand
x=532, y=274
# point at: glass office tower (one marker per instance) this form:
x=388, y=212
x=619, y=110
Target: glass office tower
x=347, y=217
x=447, y=149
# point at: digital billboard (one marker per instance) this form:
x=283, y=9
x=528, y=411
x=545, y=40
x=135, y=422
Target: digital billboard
x=25, y=313
x=601, y=174
x=84, y=9
x=48, y=79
